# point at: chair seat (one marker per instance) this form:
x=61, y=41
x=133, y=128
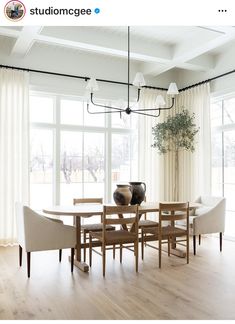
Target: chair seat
x=115, y=237
x=167, y=230
x=147, y=223
x=96, y=227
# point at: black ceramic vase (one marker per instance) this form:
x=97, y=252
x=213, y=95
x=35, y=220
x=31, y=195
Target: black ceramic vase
x=138, y=192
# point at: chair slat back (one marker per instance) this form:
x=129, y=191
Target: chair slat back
x=126, y=221
x=117, y=216
x=173, y=211
x=87, y=201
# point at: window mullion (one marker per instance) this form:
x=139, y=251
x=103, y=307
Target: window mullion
x=57, y=137
x=108, y=159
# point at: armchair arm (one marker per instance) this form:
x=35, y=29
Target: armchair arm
x=212, y=221
x=42, y=233
x=54, y=220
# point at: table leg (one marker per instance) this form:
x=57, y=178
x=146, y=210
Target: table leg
x=124, y=227
x=78, y=235
x=132, y=229
x=77, y=262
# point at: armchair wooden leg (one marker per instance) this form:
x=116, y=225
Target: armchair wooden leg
x=20, y=255
x=120, y=253
x=194, y=244
x=199, y=239
x=60, y=255
x=114, y=250
x=220, y=241
x=90, y=250
x=28, y=264
x=72, y=259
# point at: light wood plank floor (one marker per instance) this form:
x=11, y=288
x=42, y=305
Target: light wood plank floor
x=204, y=289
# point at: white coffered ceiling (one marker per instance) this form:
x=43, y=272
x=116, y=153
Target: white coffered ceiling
x=154, y=49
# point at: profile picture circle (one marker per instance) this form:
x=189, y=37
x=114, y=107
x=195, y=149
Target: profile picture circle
x=14, y=10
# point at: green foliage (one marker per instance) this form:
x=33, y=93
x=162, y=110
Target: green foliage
x=175, y=133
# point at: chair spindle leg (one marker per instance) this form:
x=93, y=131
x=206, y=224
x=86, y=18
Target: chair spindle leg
x=136, y=256
x=142, y=244
x=103, y=259
x=84, y=249
x=90, y=250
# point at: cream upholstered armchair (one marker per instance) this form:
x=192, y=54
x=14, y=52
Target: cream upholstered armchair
x=209, y=218
x=39, y=233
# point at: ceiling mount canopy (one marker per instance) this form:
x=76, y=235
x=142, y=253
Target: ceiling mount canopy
x=139, y=82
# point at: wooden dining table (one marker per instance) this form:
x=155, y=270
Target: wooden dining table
x=89, y=210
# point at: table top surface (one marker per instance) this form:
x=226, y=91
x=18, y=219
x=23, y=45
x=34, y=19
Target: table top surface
x=87, y=210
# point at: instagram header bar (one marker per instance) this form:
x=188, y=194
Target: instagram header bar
x=117, y=12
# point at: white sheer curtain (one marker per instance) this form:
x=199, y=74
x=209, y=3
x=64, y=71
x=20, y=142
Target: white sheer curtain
x=150, y=163
x=158, y=171
x=195, y=170
x=14, y=94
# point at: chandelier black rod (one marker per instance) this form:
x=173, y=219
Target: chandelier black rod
x=154, y=109
x=106, y=106
x=128, y=67
x=103, y=112
x=147, y=114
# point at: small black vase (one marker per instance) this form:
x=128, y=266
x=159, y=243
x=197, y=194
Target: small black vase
x=138, y=192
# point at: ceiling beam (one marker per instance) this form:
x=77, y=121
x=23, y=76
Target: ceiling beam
x=31, y=34
x=188, y=54
x=98, y=49
x=201, y=63
x=5, y=31
x=25, y=40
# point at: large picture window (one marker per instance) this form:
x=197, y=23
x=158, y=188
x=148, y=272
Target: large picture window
x=75, y=154
x=223, y=157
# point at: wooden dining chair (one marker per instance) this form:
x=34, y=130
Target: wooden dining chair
x=86, y=228
x=169, y=212
x=115, y=215
x=144, y=222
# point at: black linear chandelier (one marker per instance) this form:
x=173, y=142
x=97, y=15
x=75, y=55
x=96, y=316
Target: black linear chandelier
x=139, y=82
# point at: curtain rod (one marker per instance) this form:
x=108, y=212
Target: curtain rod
x=110, y=81
x=208, y=80
x=73, y=76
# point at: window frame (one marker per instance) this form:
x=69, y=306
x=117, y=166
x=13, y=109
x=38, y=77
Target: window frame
x=221, y=130
x=56, y=127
